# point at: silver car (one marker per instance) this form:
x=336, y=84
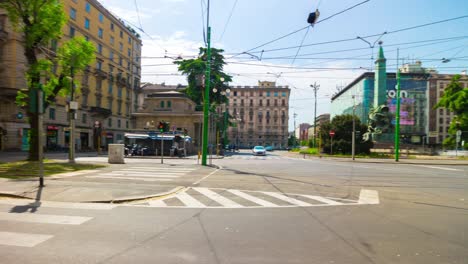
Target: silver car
x=259, y=151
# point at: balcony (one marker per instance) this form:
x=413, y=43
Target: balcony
x=100, y=112
x=100, y=73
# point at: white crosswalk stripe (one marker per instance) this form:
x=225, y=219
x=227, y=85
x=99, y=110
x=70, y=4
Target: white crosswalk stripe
x=251, y=157
x=198, y=197
x=16, y=211
x=142, y=173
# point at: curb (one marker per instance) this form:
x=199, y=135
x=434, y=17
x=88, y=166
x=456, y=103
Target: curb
x=138, y=198
x=16, y=196
x=385, y=161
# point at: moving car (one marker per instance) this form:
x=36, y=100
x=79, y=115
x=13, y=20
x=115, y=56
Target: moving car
x=259, y=150
x=269, y=148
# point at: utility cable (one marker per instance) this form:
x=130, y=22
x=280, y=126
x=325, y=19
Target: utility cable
x=228, y=20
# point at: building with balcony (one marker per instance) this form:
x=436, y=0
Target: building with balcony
x=108, y=88
x=261, y=115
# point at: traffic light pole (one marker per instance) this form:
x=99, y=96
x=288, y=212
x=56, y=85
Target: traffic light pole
x=397, y=115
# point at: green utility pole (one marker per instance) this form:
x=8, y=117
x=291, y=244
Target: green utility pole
x=397, y=114
x=206, y=101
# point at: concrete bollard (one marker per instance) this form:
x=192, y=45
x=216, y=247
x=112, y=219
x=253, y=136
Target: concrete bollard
x=116, y=154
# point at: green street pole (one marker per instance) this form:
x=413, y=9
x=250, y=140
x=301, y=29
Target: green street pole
x=206, y=101
x=397, y=115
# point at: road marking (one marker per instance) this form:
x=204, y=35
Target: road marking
x=252, y=198
x=157, y=169
x=150, y=172
x=22, y=239
x=287, y=199
x=202, y=179
x=218, y=198
x=44, y=218
x=129, y=178
x=322, y=199
x=157, y=203
x=440, y=168
x=189, y=200
x=368, y=197
x=33, y=203
x=139, y=175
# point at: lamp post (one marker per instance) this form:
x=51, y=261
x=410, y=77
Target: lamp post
x=206, y=101
x=353, y=140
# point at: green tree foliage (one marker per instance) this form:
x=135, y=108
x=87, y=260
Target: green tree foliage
x=342, y=141
x=455, y=99
x=40, y=22
x=194, y=69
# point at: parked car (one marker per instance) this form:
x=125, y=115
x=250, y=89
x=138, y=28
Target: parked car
x=269, y=148
x=259, y=151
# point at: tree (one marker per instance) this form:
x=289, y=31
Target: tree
x=342, y=141
x=40, y=22
x=455, y=99
x=195, y=69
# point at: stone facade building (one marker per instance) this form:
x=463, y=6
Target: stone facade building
x=261, y=114
x=108, y=88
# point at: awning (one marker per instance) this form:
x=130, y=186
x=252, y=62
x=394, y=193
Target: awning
x=156, y=136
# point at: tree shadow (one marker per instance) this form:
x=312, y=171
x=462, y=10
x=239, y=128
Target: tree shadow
x=32, y=207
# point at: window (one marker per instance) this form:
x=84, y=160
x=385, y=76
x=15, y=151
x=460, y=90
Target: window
x=109, y=122
x=101, y=17
x=83, y=118
x=110, y=88
x=111, y=55
x=119, y=123
x=109, y=104
x=98, y=101
x=112, y=40
x=441, y=111
x=119, y=108
x=99, y=48
x=283, y=102
x=73, y=13
x=120, y=47
x=120, y=61
x=261, y=102
x=99, y=65
x=260, y=93
x=129, y=53
x=86, y=38
x=251, y=93
x=161, y=104
x=100, y=33
x=112, y=26
x=88, y=7
x=267, y=93
x=119, y=92
x=85, y=99
x=169, y=104
x=283, y=94
x=128, y=65
x=129, y=40
x=251, y=102
x=86, y=23
x=235, y=93
x=276, y=102
x=126, y=124
x=276, y=93
x=121, y=34
x=98, y=85
x=72, y=31
x=268, y=102
x=242, y=93
x=52, y=113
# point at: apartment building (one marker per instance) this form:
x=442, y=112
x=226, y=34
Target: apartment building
x=261, y=114
x=108, y=88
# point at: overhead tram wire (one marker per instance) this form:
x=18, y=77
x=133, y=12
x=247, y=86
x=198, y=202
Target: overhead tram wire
x=203, y=21
x=228, y=20
x=138, y=13
x=299, y=30
x=368, y=36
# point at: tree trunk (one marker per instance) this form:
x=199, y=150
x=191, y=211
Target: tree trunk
x=33, y=137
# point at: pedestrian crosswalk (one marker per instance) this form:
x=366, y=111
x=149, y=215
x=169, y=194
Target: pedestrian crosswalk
x=144, y=173
x=14, y=212
x=198, y=197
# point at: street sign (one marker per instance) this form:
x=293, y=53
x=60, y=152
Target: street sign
x=433, y=134
x=19, y=115
x=458, y=136
x=332, y=133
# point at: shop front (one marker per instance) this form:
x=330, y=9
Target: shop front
x=52, y=137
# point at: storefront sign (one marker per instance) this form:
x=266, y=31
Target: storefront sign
x=52, y=127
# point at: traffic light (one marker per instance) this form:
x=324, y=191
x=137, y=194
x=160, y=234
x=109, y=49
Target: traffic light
x=161, y=127
x=313, y=17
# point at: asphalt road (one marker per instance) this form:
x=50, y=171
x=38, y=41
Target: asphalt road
x=271, y=209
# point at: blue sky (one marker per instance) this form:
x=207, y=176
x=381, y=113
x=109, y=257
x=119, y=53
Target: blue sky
x=176, y=26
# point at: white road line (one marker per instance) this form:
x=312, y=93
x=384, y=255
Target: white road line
x=150, y=172
x=218, y=198
x=44, y=218
x=189, y=201
x=33, y=203
x=440, y=168
x=129, y=178
x=159, y=169
x=138, y=175
x=252, y=198
x=368, y=197
x=22, y=239
x=322, y=199
x=157, y=203
x=204, y=178
x=287, y=199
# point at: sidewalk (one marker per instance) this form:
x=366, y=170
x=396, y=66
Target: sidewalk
x=75, y=187
x=436, y=160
